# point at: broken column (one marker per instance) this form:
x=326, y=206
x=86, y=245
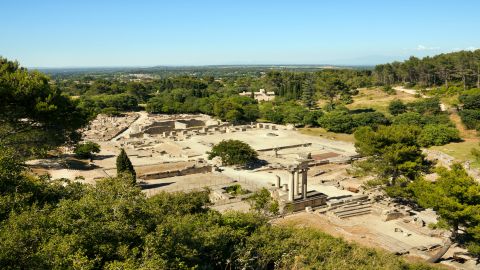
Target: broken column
x=277, y=184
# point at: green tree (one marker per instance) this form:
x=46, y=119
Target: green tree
x=233, y=152
x=335, y=90
x=124, y=165
x=337, y=121
x=437, y=134
x=262, y=202
x=35, y=115
x=86, y=149
x=371, y=119
x=396, y=107
x=311, y=118
x=392, y=151
x=308, y=93
x=455, y=197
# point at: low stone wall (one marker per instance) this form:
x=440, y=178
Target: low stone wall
x=312, y=201
x=285, y=147
x=186, y=171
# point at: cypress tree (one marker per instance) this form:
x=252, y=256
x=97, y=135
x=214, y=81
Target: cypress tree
x=308, y=93
x=124, y=164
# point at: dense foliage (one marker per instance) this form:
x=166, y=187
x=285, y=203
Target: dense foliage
x=393, y=151
x=455, y=197
x=233, y=152
x=35, y=116
x=470, y=109
x=112, y=225
x=124, y=165
x=445, y=69
x=86, y=149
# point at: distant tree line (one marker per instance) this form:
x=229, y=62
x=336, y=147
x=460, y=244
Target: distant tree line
x=457, y=68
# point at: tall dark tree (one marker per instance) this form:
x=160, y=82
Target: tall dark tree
x=124, y=165
x=335, y=90
x=308, y=93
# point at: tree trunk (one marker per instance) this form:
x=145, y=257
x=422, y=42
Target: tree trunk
x=435, y=258
x=478, y=76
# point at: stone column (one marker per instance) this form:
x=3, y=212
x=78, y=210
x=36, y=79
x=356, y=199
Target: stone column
x=278, y=183
x=291, y=186
x=297, y=187
x=304, y=183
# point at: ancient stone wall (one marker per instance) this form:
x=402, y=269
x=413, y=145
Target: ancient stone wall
x=186, y=171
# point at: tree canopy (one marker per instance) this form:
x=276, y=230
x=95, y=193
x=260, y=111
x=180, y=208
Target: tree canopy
x=455, y=197
x=86, y=149
x=392, y=151
x=124, y=165
x=35, y=115
x=233, y=152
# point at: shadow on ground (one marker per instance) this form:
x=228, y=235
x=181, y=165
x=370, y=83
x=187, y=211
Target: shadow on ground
x=157, y=185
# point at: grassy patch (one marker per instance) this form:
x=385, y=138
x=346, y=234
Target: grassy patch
x=321, y=132
x=236, y=190
x=461, y=151
x=377, y=99
x=450, y=101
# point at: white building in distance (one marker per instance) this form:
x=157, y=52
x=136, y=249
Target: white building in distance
x=261, y=95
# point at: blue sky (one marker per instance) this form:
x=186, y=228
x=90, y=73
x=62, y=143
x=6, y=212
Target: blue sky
x=176, y=32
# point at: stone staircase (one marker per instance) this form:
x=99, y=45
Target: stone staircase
x=353, y=209
x=350, y=207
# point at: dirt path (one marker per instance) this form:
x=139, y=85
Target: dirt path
x=443, y=107
x=468, y=135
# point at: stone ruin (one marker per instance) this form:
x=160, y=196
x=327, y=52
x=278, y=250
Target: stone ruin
x=297, y=195
x=105, y=128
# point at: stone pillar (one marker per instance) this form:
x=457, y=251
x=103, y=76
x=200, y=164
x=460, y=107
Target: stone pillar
x=297, y=187
x=304, y=183
x=291, y=186
x=278, y=183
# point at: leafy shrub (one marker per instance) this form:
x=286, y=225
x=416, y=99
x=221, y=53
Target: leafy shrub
x=437, y=135
x=86, y=149
x=397, y=107
x=236, y=190
x=233, y=152
x=470, y=118
x=425, y=106
x=470, y=101
x=409, y=118
x=371, y=119
x=337, y=121
x=388, y=89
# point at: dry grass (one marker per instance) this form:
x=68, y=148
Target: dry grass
x=377, y=99
x=321, y=132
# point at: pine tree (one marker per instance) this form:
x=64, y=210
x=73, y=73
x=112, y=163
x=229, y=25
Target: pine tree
x=307, y=93
x=124, y=165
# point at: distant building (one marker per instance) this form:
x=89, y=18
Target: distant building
x=261, y=95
